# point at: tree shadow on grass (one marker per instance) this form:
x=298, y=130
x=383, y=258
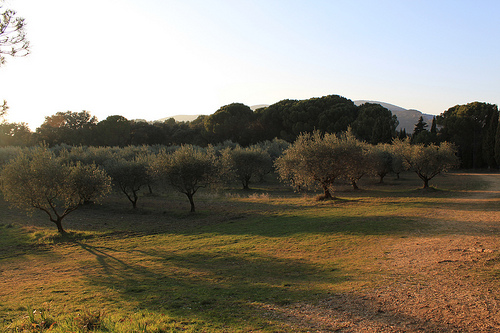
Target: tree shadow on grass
x=13, y=241
x=220, y=289
x=290, y=225
x=244, y=291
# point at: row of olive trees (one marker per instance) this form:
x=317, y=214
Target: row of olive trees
x=317, y=160
x=133, y=168
x=57, y=183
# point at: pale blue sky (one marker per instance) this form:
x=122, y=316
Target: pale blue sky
x=151, y=59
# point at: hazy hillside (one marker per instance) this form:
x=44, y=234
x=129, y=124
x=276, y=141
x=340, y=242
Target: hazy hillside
x=194, y=116
x=258, y=106
x=407, y=118
x=188, y=117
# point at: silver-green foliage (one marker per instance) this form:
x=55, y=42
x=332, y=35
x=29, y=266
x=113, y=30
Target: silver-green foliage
x=129, y=176
x=187, y=169
x=427, y=161
x=381, y=160
x=8, y=153
x=246, y=164
x=38, y=180
x=317, y=160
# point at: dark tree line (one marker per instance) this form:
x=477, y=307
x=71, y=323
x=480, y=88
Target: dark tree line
x=473, y=127
x=235, y=122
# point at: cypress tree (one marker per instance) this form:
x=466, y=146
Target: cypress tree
x=434, y=126
x=420, y=126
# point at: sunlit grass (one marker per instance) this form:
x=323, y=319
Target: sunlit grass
x=161, y=269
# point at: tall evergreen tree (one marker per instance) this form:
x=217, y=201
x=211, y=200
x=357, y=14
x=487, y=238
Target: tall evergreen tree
x=420, y=126
x=433, y=126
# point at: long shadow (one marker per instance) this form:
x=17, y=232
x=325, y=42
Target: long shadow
x=227, y=291
x=385, y=223
x=105, y=259
x=281, y=218
x=13, y=242
x=220, y=288
x=286, y=226
x=16, y=242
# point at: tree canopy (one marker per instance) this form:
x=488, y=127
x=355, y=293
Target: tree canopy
x=427, y=161
x=129, y=176
x=375, y=124
x=72, y=128
x=317, y=160
x=471, y=127
x=230, y=122
x=38, y=180
x=248, y=163
x=186, y=170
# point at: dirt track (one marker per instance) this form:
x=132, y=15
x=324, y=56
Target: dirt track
x=436, y=283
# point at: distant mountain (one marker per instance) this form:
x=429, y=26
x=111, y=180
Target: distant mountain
x=193, y=117
x=187, y=117
x=258, y=106
x=407, y=117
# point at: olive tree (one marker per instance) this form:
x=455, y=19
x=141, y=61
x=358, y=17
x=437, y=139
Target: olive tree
x=8, y=153
x=381, y=160
x=38, y=180
x=315, y=160
x=427, y=161
x=274, y=148
x=186, y=170
x=398, y=165
x=248, y=163
x=357, y=158
x=129, y=176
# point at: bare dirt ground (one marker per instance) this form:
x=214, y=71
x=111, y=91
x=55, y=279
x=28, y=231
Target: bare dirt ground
x=443, y=282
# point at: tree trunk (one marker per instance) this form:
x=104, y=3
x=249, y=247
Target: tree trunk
x=326, y=194
x=424, y=179
x=245, y=182
x=58, y=223
x=134, y=202
x=191, y=201
x=354, y=185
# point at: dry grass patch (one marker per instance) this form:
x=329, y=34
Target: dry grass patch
x=384, y=259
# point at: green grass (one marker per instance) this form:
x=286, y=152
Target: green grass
x=161, y=269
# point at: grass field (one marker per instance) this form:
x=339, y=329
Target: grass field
x=266, y=260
